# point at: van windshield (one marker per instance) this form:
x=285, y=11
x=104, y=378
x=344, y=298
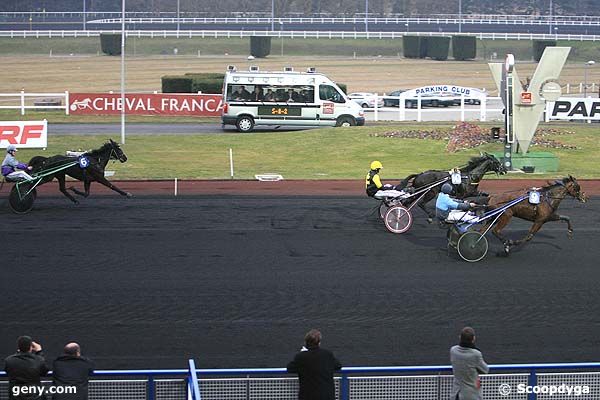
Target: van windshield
x=271, y=93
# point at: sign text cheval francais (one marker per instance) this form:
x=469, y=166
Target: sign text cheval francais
x=146, y=104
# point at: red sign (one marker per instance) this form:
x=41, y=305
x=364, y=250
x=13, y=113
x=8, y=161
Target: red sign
x=526, y=97
x=328, y=108
x=146, y=104
x=31, y=134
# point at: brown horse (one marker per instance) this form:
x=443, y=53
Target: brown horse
x=550, y=198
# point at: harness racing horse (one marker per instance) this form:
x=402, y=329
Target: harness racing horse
x=93, y=173
x=472, y=173
x=550, y=198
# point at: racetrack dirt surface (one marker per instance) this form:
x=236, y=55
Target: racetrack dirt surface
x=236, y=281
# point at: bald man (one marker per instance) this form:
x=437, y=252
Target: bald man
x=71, y=369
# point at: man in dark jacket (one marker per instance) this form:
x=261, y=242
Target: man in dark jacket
x=71, y=369
x=24, y=370
x=315, y=368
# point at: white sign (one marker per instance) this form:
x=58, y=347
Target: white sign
x=24, y=134
x=451, y=89
x=568, y=108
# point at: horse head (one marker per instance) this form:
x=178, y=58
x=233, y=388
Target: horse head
x=116, y=151
x=495, y=164
x=573, y=188
x=478, y=166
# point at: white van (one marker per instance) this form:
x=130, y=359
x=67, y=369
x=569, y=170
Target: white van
x=285, y=99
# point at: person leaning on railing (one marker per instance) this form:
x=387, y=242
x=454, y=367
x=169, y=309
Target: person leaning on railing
x=25, y=369
x=315, y=368
x=72, y=369
x=467, y=363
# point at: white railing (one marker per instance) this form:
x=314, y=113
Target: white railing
x=486, y=20
x=23, y=101
x=183, y=34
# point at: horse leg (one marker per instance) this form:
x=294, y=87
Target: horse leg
x=79, y=192
x=63, y=188
x=423, y=206
x=105, y=182
x=532, y=231
x=558, y=217
x=497, y=231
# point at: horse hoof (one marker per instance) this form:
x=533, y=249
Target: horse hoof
x=128, y=194
x=75, y=202
x=429, y=220
x=570, y=234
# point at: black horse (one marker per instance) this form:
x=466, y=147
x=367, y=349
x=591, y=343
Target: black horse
x=93, y=173
x=471, y=175
x=551, y=197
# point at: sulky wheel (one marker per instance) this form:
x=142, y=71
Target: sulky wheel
x=21, y=203
x=472, y=246
x=398, y=219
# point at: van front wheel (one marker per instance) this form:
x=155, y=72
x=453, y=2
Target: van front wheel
x=345, y=121
x=245, y=124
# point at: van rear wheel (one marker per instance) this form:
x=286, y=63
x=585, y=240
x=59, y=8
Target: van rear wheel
x=345, y=121
x=245, y=124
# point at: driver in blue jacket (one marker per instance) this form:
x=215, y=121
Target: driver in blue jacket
x=449, y=209
x=12, y=169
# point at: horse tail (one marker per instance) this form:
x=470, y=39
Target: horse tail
x=405, y=181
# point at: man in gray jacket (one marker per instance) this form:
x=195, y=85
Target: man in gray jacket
x=467, y=364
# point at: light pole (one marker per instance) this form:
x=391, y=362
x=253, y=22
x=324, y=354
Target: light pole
x=585, y=73
x=177, y=15
x=123, y=103
x=84, y=15
x=272, y=15
x=366, y=15
x=459, y=16
x=551, y=13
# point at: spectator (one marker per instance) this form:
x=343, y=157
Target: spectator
x=467, y=364
x=315, y=368
x=292, y=96
x=25, y=368
x=241, y=94
x=257, y=94
x=71, y=369
x=269, y=96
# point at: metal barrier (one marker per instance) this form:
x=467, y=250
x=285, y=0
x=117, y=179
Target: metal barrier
x=184, y=34
x=352, y=383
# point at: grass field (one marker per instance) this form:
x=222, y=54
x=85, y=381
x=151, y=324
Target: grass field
x=330, y=153
x=382, y=75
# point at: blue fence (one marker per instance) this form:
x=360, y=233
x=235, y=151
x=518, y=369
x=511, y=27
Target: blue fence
x=352, y=383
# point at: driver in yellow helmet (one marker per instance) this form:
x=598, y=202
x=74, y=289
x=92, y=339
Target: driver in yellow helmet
x=374, y=186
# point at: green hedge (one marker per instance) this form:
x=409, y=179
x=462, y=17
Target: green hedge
x=193, y=82
x=110, y=43
x=206, y=75
x=410, y=46
x=260, y=46
x=177, y=84
x=539, y=46
x=207, y=86
x=438, y=47
x=464, y=47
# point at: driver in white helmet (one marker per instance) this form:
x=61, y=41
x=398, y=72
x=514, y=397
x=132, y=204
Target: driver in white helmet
x=12, y=169
x=449, y=209
x=377, y=189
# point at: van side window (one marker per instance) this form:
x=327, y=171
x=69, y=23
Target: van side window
x=329, y=93
x=271, y=93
